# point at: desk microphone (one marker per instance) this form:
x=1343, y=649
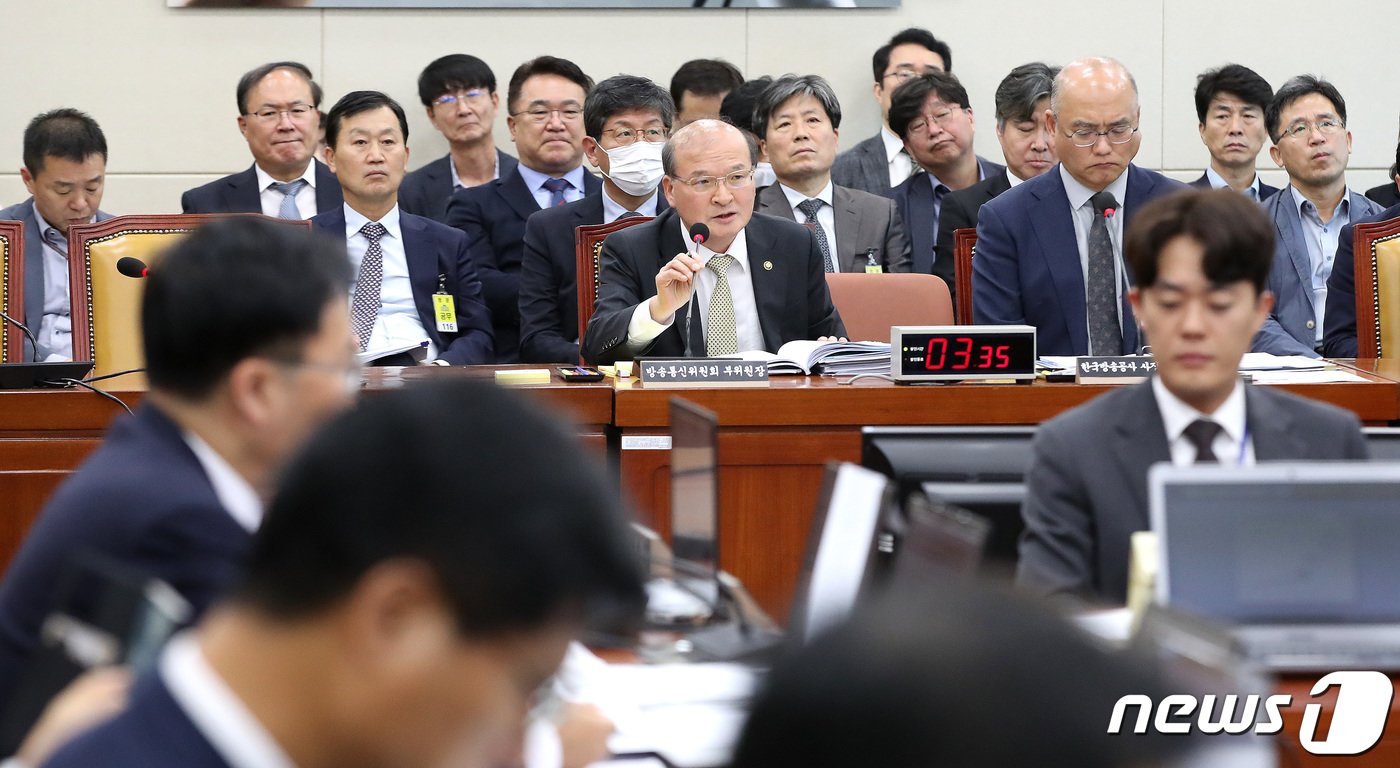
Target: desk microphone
x=28, y=333
x=699, y=233
x=131, y=267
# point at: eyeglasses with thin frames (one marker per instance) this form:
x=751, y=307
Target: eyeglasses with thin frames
x=541, y=115
x=707, y=184
x=629, y=136
x=942, y=119
x=1327, y=126
x=451, y=99
x=297, y=112
x=1087, y=137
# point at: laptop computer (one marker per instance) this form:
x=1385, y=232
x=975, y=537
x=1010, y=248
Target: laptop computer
x=1298, y=559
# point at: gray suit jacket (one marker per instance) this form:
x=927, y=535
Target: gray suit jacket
x=864, y=223
x=1086, y=490
x=1291, y=327
x=425, y=192
x=33, y=265
x=864, y=167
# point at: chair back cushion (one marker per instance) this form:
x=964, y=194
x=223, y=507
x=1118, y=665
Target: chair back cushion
x=871, y=303
x=588, y=247
x=11, y=290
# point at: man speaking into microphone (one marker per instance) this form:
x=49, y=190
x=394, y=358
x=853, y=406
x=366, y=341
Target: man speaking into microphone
x=758, y=281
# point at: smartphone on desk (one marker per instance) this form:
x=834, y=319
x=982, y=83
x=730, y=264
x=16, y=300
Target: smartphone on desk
x=580, y=373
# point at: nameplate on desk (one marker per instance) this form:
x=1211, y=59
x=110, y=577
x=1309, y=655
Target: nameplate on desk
x=659, y=373
x=1113, y=369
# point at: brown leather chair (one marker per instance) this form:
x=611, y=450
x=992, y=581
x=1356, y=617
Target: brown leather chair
x=1377, y=264
x=106, y=304
x=871, y=303
x=588, y=246
x=11, y=290
x=964, y=242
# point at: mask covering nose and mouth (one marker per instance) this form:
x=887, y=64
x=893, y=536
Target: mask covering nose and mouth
x=635, y=168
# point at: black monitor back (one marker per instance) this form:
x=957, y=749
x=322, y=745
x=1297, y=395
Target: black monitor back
x=982, y=469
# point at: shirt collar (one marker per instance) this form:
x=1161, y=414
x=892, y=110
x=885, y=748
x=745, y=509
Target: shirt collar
x=893, y=144
x=1177, y=415
x=795, y=198
x=457, y=182
x=215, y=710
x=355, y=221
x=1217, y=181
x=265, y=179
x=612, y=210
x=1012, y=178
x=234, y=493
x=1306, y=208
x=1079, y=194
x=535, y=180
x=739, y=249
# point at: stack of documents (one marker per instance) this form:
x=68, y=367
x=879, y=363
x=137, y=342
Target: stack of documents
x=835, y=358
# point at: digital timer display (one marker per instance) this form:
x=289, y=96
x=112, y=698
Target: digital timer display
x=963, y=352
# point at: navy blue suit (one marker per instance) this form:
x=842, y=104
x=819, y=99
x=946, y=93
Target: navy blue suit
x=425, y=192
x=493, y=216
x=915, y=200
x=548, y=285
x=1027, y=268
x=143, y=500
x=239, y=193
x=436, y=251
x=1339, y=320
x=1265, y=191
x=153, y=731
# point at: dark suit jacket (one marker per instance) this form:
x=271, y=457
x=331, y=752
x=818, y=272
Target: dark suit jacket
x=33, y=314
x=1027, y=268
x=1265, y=191
x=1339, y=318
x=960, y=212
x=1385, y=194
x=153, y=731
x=1086, y=490
x=864, y=222
x=425, y=192
x=792, y=298
x=915, y=200
x=239, y=193
x=864, y=167
x=548, y=284
x=493, y=216
x=142, y=499
x=1290, y=327
x=435, y=250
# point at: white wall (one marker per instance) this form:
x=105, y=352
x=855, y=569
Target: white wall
x=161, y=81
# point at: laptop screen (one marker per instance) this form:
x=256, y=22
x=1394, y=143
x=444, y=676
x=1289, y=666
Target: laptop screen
x=1285, y=543
x=695, y=495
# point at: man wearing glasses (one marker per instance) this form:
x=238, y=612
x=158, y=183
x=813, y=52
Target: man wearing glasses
x=880, y=163
x=279, y=116
x=545, y=99
x=627, y=120
x=1307, y=121
x=757, y=281
x=933, y=117
x=1050, y=250
x=459, y=93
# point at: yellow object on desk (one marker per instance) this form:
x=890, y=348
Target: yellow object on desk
x=523, y=376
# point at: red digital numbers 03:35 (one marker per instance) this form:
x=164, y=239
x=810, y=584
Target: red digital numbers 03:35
x=964, y=352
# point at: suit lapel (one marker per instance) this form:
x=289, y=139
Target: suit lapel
x=773, y=202
x=592, y=185
x=920, y=217
x=420, y=251
x=513, y=190
x=243, y=193
x=1270, y=429
x=1289, y=227
x=1140, y=441
x=850, y=228
x=33, y=268
x=1054, y=228
x=769, y=285
x=328, y=193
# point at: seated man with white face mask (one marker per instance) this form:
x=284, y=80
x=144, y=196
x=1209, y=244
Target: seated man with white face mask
x=627, y=120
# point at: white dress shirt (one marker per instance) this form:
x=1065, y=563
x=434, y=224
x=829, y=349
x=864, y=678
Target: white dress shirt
x=901, y=165
x=1321, y=240
x=1217, y=181
x=234, y=493
x=642, y=329
x=1232, y=445
x=535, y=181
x=272, y=199
x=1012, y=178
x=612, y=211
x=826, y=216
x=1082, y=212
x=457, y=182
x=215, y=710
x=55, y=331
x=398, y=323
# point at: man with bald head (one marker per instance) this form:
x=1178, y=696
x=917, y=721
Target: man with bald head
x=1050, y=250
x=758, y=280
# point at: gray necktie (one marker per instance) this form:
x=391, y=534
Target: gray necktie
x=809, y=209
x=723, y=336
x=364, y=304
x=1101, y=292
x=1202, y=434
x=289, y=190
